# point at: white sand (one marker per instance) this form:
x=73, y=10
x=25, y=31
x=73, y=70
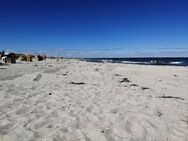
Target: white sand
x=38, y=102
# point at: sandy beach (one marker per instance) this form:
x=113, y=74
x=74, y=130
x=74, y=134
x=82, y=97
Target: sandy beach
x=73, y=100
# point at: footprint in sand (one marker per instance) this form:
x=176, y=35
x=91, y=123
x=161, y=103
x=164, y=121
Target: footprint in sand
x=138, y=126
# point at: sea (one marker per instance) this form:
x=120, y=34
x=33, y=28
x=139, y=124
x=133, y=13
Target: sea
x=170, y=61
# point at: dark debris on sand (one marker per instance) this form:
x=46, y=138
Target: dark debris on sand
x=159, y=113
x=145, y=88
x=171, y=97
x=125, y=80
x=117, y=74
x=77, y=83
x=64, y=74
x=97, y=69
x=134, y=85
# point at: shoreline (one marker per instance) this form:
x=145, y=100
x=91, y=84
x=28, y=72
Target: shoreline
x=130, y=64
x=166, y=61
x=136, y=64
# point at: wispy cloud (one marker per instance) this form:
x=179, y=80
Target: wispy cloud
x=165, y=51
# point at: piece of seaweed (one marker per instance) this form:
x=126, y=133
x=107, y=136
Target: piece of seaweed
x=77, y=83
x=174, y=97
x=125, y=80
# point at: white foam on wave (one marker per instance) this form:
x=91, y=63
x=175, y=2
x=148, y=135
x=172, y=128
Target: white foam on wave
x=106, y=60
x=132, y=62
x=176, y=62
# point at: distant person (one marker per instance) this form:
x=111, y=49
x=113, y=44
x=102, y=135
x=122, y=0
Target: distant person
x=57, y=59
x=3, y=53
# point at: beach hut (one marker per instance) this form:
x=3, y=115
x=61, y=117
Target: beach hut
x=37, y=58
x=29, y=58
x=4, y=59
x=9, y=58
x=22, y=58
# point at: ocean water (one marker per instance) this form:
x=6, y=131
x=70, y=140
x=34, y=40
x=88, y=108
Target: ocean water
x=172, y=61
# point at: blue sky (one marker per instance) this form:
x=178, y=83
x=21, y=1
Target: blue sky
x=95, y=28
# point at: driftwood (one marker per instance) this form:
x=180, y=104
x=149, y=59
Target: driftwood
x=77, y=83
x=145, y=88
x=171, y=97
